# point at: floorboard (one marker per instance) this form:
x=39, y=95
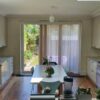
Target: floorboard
x=19, y=88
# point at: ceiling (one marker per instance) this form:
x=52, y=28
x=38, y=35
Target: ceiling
x=48, y=7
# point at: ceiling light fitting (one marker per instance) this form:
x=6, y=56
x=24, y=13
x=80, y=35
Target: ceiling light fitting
x=51, y=19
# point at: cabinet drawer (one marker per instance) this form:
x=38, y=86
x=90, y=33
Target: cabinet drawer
x=6, y=69
x=5, y=77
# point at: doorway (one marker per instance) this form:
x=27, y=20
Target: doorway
x=30, y=47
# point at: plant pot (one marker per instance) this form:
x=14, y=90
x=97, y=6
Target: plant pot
x=49, y=75
x=84, y=96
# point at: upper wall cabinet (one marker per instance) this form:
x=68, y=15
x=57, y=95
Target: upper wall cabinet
x=2, y=31
x=96, y=33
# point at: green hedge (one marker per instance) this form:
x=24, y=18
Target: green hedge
x=28, y=54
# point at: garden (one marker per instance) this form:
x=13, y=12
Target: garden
x=31, y=45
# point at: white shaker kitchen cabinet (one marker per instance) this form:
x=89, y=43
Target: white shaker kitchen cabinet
x=6, y=69
x=96, y=33
x=2, y=31
x=91, y=69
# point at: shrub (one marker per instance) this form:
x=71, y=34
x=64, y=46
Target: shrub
x=28, y=54
x=98, y=93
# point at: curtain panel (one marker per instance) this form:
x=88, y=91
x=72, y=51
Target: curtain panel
x=60, y=43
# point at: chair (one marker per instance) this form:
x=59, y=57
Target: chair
x=45, y=62
x=42, y=97
x=52, y=85
x=68, y=83
x=52, y=63
x=32, y=70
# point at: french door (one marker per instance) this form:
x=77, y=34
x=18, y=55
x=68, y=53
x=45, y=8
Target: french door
x=59, y=43
x=30, y=39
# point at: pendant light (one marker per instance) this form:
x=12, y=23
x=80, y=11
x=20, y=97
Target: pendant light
x=51, y=19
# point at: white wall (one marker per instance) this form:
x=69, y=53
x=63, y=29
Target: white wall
x=13, y=39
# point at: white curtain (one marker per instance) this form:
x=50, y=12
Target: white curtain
x=52, y=42
x=70, y=47
x=63, y=45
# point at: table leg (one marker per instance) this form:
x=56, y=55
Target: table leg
x=61, y=89
x=39, y=89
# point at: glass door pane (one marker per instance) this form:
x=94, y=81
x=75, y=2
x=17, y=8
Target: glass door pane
x=31, y=46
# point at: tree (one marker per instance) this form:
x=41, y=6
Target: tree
x=31, y=38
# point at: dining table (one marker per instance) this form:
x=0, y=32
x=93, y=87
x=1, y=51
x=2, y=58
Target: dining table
x=39, y=74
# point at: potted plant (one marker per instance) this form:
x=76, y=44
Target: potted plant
x=83, y=94
x=98, y=94
x=45, y=61
x=49, y=70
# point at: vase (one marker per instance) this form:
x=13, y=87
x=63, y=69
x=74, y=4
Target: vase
x=49, y=75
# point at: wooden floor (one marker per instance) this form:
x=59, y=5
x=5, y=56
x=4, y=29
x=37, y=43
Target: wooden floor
x=19, y=88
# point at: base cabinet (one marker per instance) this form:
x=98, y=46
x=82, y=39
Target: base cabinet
x=6, y=69
x=91, y=69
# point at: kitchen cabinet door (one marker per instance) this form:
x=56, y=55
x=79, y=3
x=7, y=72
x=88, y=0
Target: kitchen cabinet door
x=6, y=69
x=96, y=33
x=2, y=31
x=91, y=69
